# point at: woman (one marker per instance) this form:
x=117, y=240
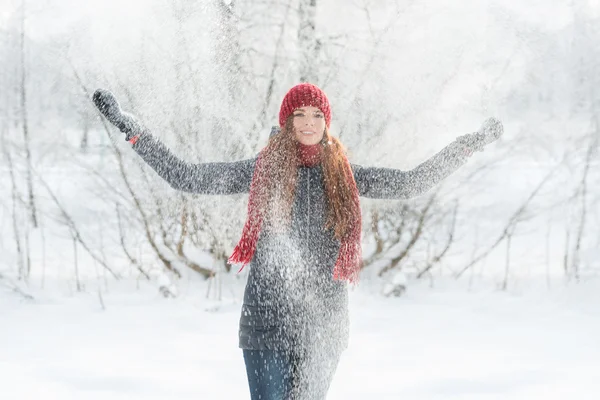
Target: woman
x=302, y=234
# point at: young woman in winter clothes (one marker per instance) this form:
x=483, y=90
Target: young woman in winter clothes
x=302, y=233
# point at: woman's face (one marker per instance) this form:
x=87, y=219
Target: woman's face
x=309, y=125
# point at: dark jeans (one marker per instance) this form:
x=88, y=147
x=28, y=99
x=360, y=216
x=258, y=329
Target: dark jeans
x=278, y=375
x=270, y=374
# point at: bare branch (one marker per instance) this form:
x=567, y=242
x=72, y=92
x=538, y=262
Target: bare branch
x=73, y=227
x=449, y=242
x=414, y=238
x=512, y=222
x=132, y=259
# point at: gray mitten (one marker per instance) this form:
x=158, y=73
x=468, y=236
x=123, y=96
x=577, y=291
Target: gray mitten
x=108, y=105
x=490, y=131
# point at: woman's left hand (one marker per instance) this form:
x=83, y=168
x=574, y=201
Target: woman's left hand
x=490, y=131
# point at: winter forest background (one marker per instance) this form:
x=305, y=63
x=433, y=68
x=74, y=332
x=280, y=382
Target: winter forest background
x=81, y=216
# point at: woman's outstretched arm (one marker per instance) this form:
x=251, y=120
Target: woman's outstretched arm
x=205, y=178
x=208, y=178
x=388, y=183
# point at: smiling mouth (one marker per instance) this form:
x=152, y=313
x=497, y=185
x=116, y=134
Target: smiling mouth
x=307, y=133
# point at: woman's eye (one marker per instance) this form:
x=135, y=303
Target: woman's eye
x=319, y=115
x=298, y=115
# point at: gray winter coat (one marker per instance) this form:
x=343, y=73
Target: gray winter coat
x=291, y=300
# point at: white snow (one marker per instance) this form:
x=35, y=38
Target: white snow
x=435, y=72
x=441, y=343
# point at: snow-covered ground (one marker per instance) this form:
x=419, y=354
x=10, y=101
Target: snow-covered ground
x=441, y=343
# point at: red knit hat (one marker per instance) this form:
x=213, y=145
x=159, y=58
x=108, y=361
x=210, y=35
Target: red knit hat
x=303, y=95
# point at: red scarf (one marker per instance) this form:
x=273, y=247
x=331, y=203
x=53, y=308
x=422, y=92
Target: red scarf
x=347, y=265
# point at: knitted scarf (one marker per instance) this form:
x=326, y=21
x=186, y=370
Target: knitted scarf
x=347, y=265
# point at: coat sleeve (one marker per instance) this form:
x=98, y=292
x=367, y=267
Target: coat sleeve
x=206, y=178
x=388, y=183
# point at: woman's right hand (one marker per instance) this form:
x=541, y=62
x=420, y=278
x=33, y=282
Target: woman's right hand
x=108, y=105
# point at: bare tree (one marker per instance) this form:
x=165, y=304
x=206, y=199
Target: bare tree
x=76, y=235
x=261, y=121
x=449, y=241
x=518, y=216
x=582, y=194
x=397, y=232
x=307, y=40
x=415, y=235
x=25, y=122
x=228, y=48
x=589, y=59
x=16, y=204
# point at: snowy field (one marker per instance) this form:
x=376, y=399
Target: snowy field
x=441, y=343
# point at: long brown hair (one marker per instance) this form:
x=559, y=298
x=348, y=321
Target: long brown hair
x=280, y=157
